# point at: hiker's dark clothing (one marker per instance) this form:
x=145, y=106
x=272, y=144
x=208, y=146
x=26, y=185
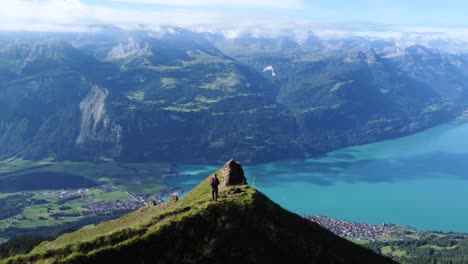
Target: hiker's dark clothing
x=214, y=188
x=214, y=193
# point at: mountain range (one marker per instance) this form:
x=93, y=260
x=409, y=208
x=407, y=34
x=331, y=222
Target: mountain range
x=191, y=97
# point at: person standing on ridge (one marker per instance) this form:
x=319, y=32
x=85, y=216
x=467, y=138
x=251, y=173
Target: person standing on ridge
x=214, y=182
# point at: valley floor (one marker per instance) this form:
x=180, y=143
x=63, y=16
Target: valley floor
x=45, y=197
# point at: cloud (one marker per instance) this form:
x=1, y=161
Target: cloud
x=44, y=15
x=289, y=4
x=76, y=15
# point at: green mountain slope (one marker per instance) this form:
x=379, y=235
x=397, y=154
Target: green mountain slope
x=355, y=92
x=181, y=96
x=138, y=99
x=244, y=226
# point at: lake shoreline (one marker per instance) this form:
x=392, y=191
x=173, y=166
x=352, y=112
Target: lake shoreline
x=388, y=181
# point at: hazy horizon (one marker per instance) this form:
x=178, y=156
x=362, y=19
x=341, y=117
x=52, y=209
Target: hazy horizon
x=382, y=19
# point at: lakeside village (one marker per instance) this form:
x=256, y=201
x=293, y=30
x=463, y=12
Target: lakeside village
x=99, y=208
x=354, y=230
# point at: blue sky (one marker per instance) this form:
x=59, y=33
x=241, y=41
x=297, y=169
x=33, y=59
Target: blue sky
x=396, y=12
x=327, y=17
x=392, y=12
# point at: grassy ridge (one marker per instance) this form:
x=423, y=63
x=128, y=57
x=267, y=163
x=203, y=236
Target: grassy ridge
x=243, y=226
x=196, y=199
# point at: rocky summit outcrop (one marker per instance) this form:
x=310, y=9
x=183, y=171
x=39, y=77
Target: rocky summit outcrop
x=232, y=174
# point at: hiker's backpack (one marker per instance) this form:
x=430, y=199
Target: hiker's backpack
x=214, y=182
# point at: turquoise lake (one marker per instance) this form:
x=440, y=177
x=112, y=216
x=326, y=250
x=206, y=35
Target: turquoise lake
x=419, y=181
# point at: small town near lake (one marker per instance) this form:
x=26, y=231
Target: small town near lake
x=354, y=230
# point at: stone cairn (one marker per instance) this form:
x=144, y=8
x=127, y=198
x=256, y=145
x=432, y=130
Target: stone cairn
x=232, y=174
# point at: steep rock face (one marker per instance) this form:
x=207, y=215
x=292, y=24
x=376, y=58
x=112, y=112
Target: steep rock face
x=131, y=49
x=98, y=135
x=92, y=113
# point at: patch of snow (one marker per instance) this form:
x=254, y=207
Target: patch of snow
x=271, y=69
